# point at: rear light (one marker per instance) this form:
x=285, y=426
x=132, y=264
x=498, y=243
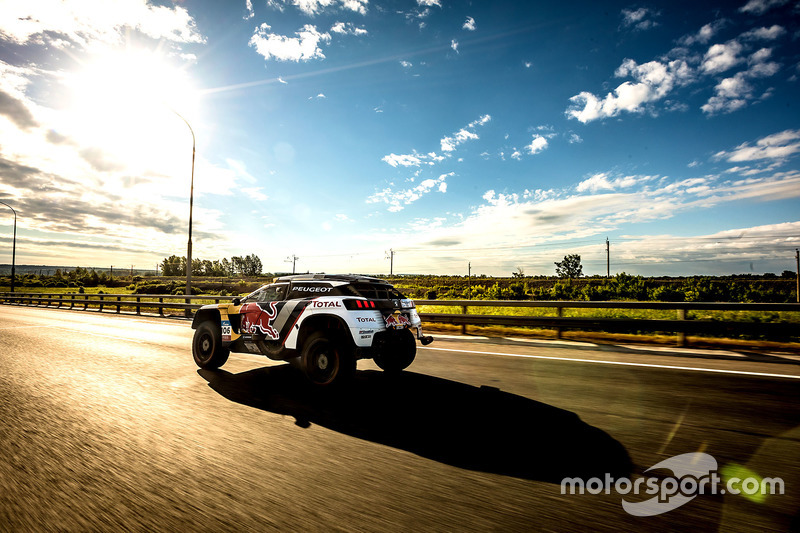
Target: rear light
x=360, y=305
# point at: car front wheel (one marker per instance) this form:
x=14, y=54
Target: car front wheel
x=207, y=348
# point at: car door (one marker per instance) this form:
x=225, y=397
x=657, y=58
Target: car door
x=261, y=309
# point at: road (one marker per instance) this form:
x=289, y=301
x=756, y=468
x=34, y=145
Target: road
x=107, y=424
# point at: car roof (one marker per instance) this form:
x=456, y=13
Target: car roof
x=348, y=278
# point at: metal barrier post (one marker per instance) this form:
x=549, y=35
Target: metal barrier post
x=559, y=314
x=161, y=306
x=463, y=326
x=682, y=334
x=119, y=298
x=138, y=308
x=101, y=302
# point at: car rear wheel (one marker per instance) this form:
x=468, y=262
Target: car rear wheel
x=397, y=351
x=327, y=361
x=207, y=348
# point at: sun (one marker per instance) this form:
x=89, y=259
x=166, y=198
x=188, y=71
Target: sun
x=125, y=103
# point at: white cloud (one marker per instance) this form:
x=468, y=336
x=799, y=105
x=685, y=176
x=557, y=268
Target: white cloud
x=543, y=218
x=86, y=24
x=304, y=47
x=766, y=34
x=759, y=7
x=406, y=64
x=730, y=95
x=538, y=144
x=602, y=181
x=430, y=3
x=574, y=138
x=254, y=193
x=722, y=57
x=654, y=81
x=639, y=19
x=347, y=28
x=704, y=34
x=315, y=7
x=469, y=24
x=454, y=45
x=407, y=160
x=734, y=93
x=249, y=7
x=398, y=200
x=450, y=143
x=776, y=146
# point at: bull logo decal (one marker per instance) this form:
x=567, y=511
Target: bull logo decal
x=263, y=323
x=397, y=321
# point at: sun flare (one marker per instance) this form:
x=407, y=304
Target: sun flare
x=125, y=103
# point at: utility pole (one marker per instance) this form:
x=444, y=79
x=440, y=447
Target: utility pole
x=469, y=275
x=797, y=264
x=608, y=259
x=111, y=275
x=13, y=248
x=292, y=259
x=390, y=257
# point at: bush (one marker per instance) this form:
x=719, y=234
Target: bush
x=667, y=293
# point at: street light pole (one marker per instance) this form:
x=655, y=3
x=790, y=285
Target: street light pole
x=13, y=247
x=191, y=204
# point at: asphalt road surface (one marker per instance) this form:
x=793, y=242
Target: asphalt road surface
x=107, y=424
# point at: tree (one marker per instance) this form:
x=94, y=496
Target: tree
x=520, y=273
x=252, y=265
x=173, y=266
x=570, y=267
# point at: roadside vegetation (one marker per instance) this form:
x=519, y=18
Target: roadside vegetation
x=768, y=288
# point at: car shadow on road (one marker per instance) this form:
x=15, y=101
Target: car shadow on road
x=477, y=428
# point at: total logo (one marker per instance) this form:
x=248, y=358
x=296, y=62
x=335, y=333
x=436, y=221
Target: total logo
x=317, y=303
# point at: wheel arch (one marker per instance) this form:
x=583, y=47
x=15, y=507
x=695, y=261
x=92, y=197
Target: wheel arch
x=324, y=322
x=203, y=315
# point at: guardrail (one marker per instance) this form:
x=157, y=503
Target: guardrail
x=681, y=325
x=157, y=302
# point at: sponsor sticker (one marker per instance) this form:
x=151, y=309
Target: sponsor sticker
x=313, y=288
x=317, y=303
x=397, y=321
x=226, y=330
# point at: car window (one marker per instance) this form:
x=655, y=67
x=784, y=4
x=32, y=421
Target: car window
x=377, y=291
x=272, y=293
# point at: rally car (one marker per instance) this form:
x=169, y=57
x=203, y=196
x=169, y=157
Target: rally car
x=321, y=323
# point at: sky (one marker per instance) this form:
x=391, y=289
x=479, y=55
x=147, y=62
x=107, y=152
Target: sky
x=421, y=136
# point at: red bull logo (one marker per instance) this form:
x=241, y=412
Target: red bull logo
x=263, y=323
x=397, y=321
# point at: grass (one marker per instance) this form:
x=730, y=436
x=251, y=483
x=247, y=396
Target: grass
x=635, y=314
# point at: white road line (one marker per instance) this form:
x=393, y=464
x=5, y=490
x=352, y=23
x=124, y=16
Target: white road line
x=620, y=363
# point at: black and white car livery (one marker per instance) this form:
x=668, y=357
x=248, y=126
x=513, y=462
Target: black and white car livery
x=322, y=323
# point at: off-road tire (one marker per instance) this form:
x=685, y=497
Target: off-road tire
x=207, y=347
x=327, y=360
x=397, y=351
